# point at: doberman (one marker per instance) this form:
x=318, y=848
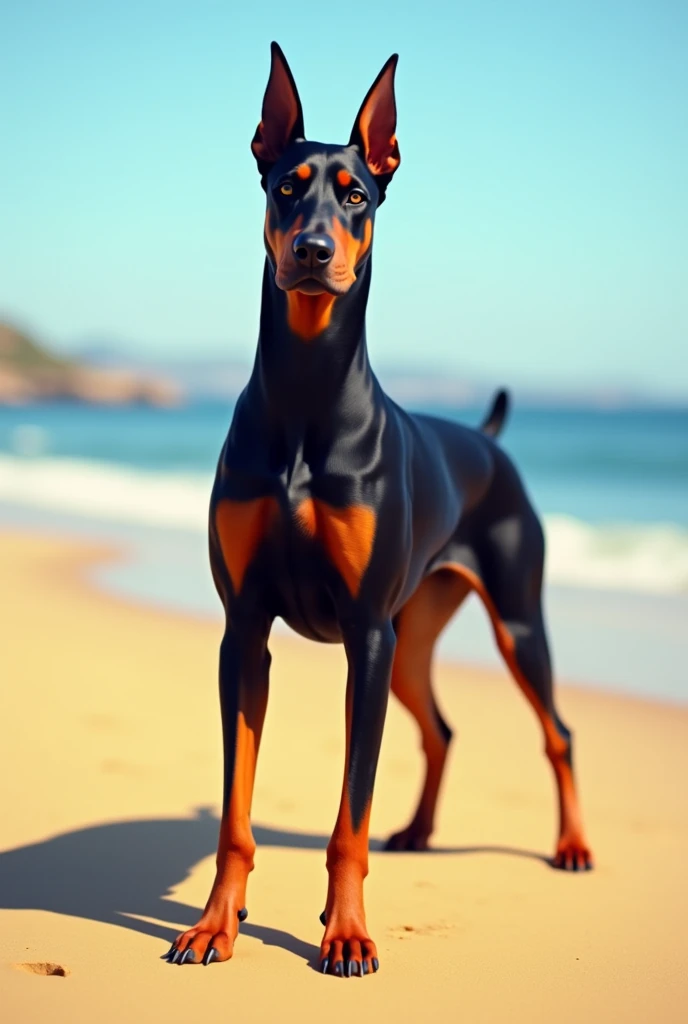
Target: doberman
x=355, y=522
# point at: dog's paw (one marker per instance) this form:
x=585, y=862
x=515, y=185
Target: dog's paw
x=572, y=855
x=207, y=943
x=351, y=957
x=409, y=839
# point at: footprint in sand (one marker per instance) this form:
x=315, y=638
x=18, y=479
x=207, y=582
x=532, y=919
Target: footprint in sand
x=48, y=970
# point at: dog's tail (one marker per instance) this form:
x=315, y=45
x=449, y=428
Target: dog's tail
x=494, y=421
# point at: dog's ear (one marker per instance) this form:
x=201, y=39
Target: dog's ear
x=282, y=119
x=375, y=126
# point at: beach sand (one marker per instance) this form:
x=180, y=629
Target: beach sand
x=110, y=735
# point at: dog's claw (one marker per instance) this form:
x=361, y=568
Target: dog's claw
x=175, y=957
x=169, y=953
x=324, y=965
x=242, y=914
x=323, y=918
x=211, y=954
x=376, y=964
x=364, y=967
x=187, y=957
x=573, y=859
x=339, y=968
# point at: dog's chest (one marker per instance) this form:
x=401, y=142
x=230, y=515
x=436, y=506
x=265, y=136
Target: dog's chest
x=296, y=532
x=343, y=534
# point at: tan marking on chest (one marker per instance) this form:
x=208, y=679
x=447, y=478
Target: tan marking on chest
x=241, y=526
x=347, y=535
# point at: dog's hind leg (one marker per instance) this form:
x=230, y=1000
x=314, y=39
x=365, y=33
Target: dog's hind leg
x=418, y=626
x=511, y=558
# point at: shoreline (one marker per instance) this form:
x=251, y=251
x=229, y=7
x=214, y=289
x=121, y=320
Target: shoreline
x=101, y=555
x=620, y=643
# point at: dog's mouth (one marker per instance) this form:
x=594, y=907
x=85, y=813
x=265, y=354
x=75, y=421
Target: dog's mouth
x=310, y=286
x=313, y=284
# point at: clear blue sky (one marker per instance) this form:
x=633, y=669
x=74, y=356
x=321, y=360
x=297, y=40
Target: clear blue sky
x=536, y=231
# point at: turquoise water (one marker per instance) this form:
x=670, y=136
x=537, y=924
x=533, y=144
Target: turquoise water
x=612, y=487
x=598, y=466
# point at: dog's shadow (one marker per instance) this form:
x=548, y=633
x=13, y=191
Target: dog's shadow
x=119, y=873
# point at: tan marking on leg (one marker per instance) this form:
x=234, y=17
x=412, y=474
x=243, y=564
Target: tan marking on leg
x=219, y=922
x=420, y=623
x=556, y=747
x=347, y=867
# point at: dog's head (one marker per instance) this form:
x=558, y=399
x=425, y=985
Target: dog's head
x=321, y=199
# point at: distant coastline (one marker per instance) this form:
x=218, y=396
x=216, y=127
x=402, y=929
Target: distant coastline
x=114, y=372
x=29, y=372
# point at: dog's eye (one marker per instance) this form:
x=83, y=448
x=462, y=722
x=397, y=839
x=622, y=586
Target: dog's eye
x=356, y=197
x=286, y=188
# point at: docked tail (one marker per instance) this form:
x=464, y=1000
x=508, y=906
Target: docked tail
x=494, y=421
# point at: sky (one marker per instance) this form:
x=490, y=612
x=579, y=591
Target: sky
x=536, y=231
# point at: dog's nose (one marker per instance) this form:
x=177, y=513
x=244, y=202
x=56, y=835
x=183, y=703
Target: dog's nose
x=313, y=249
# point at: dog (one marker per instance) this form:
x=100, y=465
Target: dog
x=355, y=522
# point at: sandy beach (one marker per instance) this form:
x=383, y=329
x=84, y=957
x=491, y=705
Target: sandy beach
x=110, y=732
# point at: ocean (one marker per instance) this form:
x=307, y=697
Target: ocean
x=611, y=486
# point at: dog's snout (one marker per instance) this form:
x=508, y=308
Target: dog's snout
x=313, y=249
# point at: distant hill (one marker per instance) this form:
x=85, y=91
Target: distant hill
x=29, y=372
x=210, y=375
x=204, y=377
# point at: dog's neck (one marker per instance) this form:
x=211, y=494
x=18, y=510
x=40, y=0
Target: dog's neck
x=323, y=381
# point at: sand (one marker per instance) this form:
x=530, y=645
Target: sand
x=110, y=735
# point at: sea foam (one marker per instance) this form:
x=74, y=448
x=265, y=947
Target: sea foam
x=624, y=556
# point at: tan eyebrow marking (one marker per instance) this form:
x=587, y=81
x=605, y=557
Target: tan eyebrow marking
x=344, y=178
x=303, y=172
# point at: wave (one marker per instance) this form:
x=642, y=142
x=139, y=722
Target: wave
x=109, y=492
x=618, y=556
x=651, y=557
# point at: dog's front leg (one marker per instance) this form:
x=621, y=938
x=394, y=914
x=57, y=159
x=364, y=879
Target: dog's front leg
x=346, y=947
x=244, y=672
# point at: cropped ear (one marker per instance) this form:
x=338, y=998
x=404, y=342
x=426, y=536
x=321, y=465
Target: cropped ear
x=375, y=126
x=282, y=119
